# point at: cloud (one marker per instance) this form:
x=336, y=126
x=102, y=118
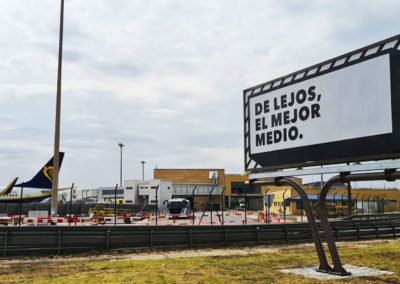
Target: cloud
x=163, y=77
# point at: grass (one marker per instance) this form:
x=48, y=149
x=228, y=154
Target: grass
x=262, y=268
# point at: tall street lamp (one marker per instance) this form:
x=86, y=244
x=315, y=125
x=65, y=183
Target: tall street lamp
x=120, y=164
x=56, y=162
x=143, y=162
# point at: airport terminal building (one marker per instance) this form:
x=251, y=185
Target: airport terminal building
x=213, y=188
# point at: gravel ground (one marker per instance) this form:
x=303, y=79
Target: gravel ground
x=356, y=271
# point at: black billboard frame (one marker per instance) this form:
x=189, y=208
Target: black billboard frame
x=388, y=46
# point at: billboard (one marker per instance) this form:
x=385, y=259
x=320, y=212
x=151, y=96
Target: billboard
x=342, y=110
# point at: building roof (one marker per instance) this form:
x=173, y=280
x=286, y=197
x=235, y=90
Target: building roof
x=314, y=197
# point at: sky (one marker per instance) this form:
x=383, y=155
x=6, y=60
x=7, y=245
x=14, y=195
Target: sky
x=165, y=78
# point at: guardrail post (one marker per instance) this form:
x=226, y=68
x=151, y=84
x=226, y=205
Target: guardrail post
x=358, y=232
x=108, y=240
x=336, y=231
x=5, y=243
x=151, y=239
x=190, y=238
x=258, y=235
x=59, y=242
x=287, y=234
x=394, y=230
x=377, y=230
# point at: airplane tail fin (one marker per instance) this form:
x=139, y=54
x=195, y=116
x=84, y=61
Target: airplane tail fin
x=9, y=187
x=43, y=179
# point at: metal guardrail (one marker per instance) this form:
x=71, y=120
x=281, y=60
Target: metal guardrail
x=51, y=240
x=64, y=209
x=372, y=216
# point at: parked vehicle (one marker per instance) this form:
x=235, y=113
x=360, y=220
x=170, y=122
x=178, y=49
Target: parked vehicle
x=4, y=219
x=178, y=208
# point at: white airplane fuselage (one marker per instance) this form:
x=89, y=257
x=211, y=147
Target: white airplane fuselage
x=28, y=195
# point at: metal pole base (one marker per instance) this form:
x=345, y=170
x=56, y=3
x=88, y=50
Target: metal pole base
x=341, y=272
x=323, y=270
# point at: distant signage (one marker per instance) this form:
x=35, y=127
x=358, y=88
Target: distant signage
x=38, y=214
x=213, y=175
x=268, y=199
x=347, y=109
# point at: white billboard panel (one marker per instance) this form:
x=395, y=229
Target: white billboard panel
x=349, y=103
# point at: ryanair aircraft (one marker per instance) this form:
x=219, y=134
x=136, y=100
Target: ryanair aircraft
x=37, y=189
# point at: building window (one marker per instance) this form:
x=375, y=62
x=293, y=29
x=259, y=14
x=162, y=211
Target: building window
x=299, y=204
x=112, y=191
x=129, y=187
x=241, y=188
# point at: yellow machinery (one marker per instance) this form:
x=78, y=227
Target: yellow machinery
x=102, y=211
x=339, y=210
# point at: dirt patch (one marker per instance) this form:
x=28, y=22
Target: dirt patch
x=168, y=254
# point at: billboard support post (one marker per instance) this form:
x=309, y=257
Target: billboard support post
x=324, y=266
x=388, y=175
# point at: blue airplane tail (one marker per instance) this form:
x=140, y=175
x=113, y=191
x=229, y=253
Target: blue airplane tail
x=43, y=179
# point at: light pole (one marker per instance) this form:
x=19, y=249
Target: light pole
x=143, y=162
x=120, y=164
x=56, y=162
